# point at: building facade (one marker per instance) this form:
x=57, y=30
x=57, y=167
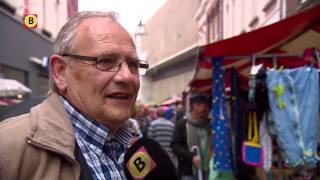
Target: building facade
x=25, y=52
x=170, y=46
x=222, y=19
x=209, y=21
x=175, y=33
x=51, y=14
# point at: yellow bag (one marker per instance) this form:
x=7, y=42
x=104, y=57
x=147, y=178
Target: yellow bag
x=252, y=153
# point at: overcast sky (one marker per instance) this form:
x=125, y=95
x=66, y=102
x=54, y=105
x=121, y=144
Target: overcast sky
x=130, y=11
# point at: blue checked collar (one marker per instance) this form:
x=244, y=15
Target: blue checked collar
x=94, y=133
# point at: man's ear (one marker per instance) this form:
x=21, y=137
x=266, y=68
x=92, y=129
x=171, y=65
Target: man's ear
x=58, y=72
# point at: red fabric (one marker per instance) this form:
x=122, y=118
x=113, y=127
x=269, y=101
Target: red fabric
x=268, y=39
x=317, y=29
x=267, y=36
x=205, y=63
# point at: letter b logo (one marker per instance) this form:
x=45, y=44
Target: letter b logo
x=140, y=164
x=30, y=20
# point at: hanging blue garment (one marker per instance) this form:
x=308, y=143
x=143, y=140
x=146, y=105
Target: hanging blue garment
x=220, y=128
x=294, y=103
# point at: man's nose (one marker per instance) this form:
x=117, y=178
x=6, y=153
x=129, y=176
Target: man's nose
x=120, y=65
x=124, y=72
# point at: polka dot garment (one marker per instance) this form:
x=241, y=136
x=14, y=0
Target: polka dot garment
x=220, y=129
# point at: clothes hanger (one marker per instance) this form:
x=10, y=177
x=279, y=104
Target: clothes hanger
x=275, y=64
x=255, y=68
x=316, y=56
x=311, y=57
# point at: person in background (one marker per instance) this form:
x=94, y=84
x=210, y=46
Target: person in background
x=169, y=113
x=161, y=130
x=135, y=121
x=151, y=113
x=139, y=117
x=190, y=131
x=79, y=131
x=181, y=107
x=147, y=118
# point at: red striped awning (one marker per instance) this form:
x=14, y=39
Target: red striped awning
x=291, y=35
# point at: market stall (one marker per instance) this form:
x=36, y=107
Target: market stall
x=282, y=43
x=265, y=98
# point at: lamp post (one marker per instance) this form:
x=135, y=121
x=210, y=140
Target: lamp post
x=140, y=31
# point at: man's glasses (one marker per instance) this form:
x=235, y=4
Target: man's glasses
x=112, y=64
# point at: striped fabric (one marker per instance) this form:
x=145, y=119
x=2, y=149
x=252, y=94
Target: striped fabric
x=103, y=152
x=161, y=130
x=283, y=37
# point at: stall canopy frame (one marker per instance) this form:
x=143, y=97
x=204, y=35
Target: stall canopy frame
x=285, y=41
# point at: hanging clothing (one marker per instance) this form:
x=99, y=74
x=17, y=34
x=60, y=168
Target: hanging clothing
x=220, y=126
x=294, y=103
x=266, y=142
x=237, y=128
x=238, y=107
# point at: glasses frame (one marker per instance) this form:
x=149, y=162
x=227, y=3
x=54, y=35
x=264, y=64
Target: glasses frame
x=95, y=59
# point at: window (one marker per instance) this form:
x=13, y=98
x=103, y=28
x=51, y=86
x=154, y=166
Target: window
x=13, y=73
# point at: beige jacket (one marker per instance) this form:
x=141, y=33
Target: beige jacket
x=39, y=145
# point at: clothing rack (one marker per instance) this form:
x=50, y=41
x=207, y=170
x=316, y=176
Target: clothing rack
x=273, y=56
x=261, y=56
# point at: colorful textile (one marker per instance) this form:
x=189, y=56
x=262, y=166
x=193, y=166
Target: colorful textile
x=220, y=128
x=295, y=122
x=214, y=175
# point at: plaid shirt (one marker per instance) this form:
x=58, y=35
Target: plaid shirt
x=103, y=152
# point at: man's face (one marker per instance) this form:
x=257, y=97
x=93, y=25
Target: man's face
x=108, y=97
x=201, y=110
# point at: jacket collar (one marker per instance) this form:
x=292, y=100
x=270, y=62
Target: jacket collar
x=51, y=127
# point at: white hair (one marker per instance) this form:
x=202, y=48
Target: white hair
x=64, y=42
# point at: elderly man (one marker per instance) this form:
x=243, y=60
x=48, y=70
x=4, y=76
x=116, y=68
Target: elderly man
x=193, y=130
x=78, y=132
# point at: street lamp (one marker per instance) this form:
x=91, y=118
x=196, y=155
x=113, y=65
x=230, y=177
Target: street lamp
x=141, y=30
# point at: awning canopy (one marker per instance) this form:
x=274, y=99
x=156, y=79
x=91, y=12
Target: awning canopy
x=292, y=36
x=11, y=87
x=170, y=101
